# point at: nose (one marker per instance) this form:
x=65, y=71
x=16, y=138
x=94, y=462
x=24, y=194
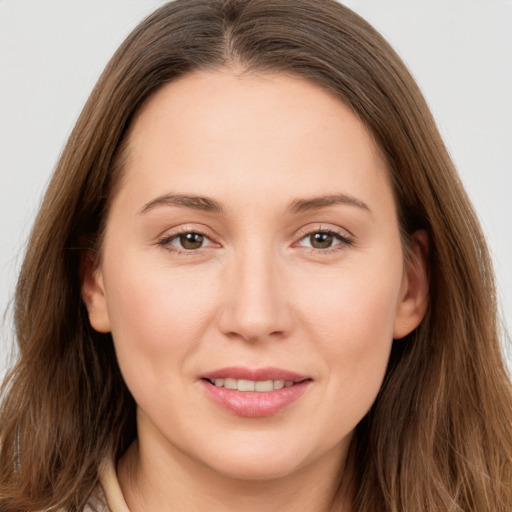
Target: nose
x=256, y=305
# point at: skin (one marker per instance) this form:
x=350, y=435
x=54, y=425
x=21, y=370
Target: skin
x=259, y=292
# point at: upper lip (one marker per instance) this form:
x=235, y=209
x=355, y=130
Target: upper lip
x=258, y=374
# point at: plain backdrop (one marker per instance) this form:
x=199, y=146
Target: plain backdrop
x=52, y=52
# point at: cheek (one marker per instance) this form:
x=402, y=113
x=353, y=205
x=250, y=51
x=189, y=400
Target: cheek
x=351, y=317
x=356, y=309
x=158, y=317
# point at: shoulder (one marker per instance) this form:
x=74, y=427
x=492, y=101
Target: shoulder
x=97, y=503
x=90, y=507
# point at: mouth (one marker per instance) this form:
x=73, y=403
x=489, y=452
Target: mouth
x=260, y=386
x=254, y=393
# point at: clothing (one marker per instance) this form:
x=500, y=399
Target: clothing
x=109, y=498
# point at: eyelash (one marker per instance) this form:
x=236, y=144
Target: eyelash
x=165, y=242
x=342, y=239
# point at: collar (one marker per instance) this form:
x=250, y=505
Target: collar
x=111, y=489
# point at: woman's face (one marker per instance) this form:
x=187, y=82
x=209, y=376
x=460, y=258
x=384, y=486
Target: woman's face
x=251, y=274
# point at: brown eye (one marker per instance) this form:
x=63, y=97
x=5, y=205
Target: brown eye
x=187, y=242
x=190, y=241
x=321, y=240
x=324, y=240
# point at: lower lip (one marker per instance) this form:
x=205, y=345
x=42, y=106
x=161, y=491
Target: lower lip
x=255, y=404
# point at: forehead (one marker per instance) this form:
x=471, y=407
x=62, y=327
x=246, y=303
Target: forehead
x=212, y=131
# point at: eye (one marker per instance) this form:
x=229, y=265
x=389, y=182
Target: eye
x=324, y=239
x=186, y=241
x=191, y=241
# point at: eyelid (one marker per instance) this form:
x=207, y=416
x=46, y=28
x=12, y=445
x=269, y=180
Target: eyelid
x=343, y=235
x=323, y=227
x=165, y=239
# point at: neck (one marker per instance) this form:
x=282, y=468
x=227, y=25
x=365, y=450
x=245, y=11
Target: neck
x=176, y=482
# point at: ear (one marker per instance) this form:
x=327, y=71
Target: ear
x=93, y=292
x=414, y=296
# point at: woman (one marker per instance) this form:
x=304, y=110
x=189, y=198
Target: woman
x=256, y=283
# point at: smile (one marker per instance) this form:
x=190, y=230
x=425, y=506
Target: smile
x=261, y=386
x=254, y=393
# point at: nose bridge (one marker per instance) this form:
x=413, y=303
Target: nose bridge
x=255, y=306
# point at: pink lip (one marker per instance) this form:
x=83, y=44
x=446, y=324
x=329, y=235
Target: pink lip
x=254, y=404
x=237, y=372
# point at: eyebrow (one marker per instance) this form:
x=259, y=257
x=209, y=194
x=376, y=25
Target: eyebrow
x=302, y=205
x=195, y=202
x=210, y=205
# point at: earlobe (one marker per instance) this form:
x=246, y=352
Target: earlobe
x=93, y=293
x=414, y=296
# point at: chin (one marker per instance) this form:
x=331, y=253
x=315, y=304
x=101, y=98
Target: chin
x=258, y=470
x=256, y=462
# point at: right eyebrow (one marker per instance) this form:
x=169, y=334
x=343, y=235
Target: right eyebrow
x=188, y=201
x=313, y=203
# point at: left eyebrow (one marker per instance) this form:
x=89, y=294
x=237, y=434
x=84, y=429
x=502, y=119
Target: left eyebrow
x=302, y=205
x=188, y=201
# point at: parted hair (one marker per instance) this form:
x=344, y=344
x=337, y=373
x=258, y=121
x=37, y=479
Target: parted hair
x=439, y=435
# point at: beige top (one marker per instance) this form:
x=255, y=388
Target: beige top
x=111, y=498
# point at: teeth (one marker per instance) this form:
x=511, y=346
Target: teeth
x=264, y=385
x=252, y=385
x=231, y=383
x=246, y=385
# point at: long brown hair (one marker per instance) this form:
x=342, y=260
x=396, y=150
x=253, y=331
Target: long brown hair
x=439, y=436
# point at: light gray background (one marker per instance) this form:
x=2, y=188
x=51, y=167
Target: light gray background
x=52, y=51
